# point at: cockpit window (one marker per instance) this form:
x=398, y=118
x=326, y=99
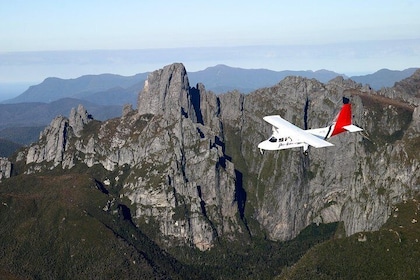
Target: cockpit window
x=273, y=139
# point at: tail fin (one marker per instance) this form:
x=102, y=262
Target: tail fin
x=343, y=121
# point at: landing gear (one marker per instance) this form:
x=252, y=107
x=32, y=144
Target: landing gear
x=306, y=149
x=262, y=151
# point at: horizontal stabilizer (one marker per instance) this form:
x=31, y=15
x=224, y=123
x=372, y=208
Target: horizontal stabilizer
x=352, y=128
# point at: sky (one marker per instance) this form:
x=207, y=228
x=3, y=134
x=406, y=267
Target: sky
x=68, y=39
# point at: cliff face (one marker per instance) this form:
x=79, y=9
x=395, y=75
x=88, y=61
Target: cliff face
x=175, y=172
x=5, y=168
x=188, y=162
x=356, y=181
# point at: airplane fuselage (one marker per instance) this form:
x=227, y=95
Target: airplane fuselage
x=323, y=133
x=286, y=135
x=280, y=143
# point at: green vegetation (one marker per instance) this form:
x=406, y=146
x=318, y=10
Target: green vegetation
x=255, y=258
x=55, y=225
x=393, y=252
x=91, y=128
x=7, y=148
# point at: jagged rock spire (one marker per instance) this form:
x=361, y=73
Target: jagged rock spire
x=167, y=92
x=78, y=118
x=52, y=143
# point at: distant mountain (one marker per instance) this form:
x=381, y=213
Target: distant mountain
x=114, y=96
x=104, y=95
x=222, y=78
x=89, y=87
x=384, y=77
x=110, y=89
x=7, y=147
x=21, y=135
x=40, y=114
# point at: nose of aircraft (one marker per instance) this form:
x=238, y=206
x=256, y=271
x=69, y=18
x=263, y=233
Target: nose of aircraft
x=264, y=145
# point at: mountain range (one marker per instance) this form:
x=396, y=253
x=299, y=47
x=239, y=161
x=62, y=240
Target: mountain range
x=110, y=89
x=104, y=95
x=177, y=189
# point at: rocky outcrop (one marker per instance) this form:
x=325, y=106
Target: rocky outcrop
x=5, y=168
x=78, y=119
x=167, y=92
x=52, y=145
x=179, y=176
x=187, y=160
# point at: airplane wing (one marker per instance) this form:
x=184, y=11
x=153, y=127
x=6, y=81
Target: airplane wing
x=295, y=131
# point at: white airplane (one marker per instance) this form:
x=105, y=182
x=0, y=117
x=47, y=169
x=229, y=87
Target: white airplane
x=286, y=135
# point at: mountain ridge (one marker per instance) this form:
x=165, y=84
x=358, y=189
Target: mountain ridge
x=192, y=116
x=184, y=167
x=384, y=77
x=40, y=113
x=53, y=88
x=220, y=79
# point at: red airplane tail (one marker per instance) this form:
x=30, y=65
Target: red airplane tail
x=343, y=121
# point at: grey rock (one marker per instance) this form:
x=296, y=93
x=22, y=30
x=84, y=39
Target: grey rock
x=78, y=119
x=127, y=109
x=52, y=145
x=166, y=92
x=191, y=166
x=5, y=168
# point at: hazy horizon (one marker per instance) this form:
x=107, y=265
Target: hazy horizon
x=350, y=59
x=9, y=90
x=47, y=38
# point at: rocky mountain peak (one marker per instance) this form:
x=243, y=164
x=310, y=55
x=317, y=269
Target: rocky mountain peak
x=179, y=177
x=188, y=162
x=78, y=118
x=52, y=144
x=167, y=92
